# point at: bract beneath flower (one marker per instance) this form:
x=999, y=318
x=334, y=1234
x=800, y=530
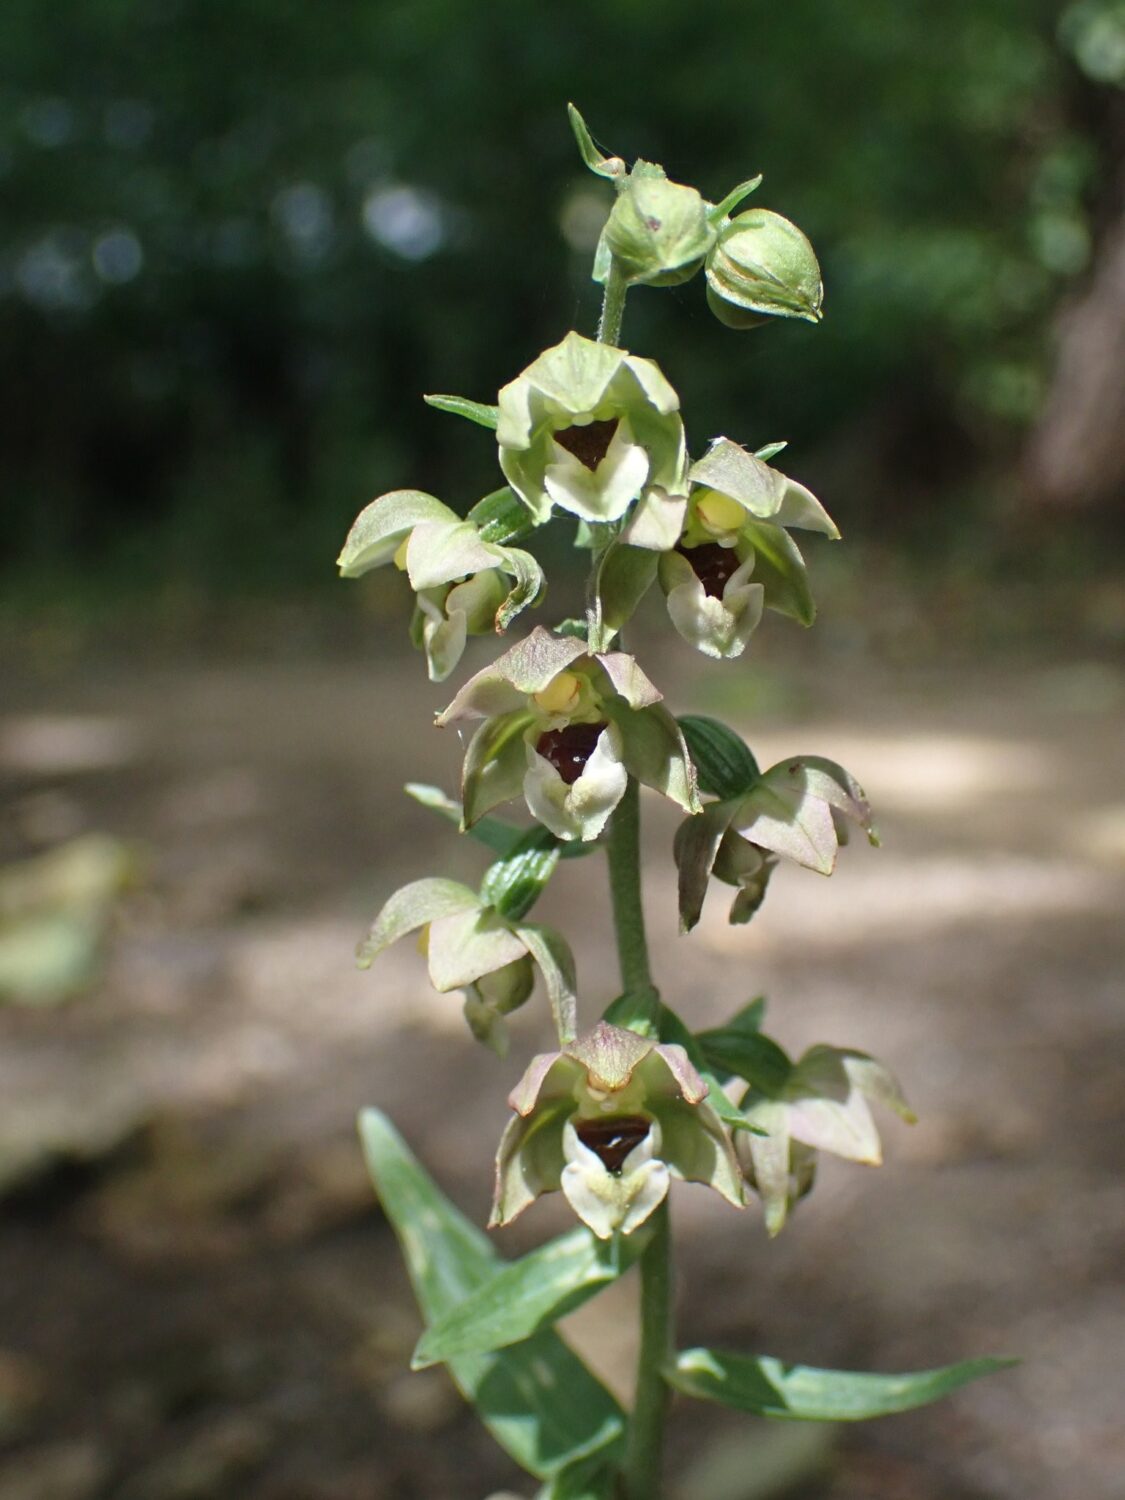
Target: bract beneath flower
x=588, y=428
x=609, y=1120
x=566, y=729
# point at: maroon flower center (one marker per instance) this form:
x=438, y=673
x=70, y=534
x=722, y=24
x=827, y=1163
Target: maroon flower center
x=568, y=749
x=612, y=1140
x=590, y=443
x=712, y=565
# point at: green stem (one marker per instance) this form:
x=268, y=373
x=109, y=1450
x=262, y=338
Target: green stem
x=613, y=305
x=644, y=1445
x=624, y=850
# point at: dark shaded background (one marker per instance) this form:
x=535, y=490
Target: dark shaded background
x=236, y=244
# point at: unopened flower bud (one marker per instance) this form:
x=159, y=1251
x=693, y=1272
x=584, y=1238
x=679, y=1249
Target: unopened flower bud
x=763, y=265
x=658, y=231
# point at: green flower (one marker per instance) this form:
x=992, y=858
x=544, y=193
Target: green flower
x=798, y=809
x=762, y=266
x=567, y=729
x=823, y=1105
x=464, y=585
x=726, y=553
x=470, y=946
x=610, y=1120
x=589, y=428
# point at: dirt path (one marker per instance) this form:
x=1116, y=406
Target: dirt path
x=197, y=1297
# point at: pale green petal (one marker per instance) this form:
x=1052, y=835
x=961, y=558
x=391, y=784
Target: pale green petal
x=719, y=627
x=657, y=522
x=495, y=763
x=524, y=669
x=655, y=753
x=412, y=907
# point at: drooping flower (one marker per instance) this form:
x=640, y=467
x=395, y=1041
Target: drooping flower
x=726, y=553
x=823, y=1105
x=472, y=947
x=610, y=1120
x=464, y=585
x=567, y=729
x=799, y=809
x=589, y=428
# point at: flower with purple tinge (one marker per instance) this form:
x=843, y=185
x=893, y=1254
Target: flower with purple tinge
x=566, y=729
x=610, y=1120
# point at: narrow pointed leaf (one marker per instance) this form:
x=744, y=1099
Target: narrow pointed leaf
x=801, y=1393
x=539, y=1401
x=475, y=411
x=528, y=1294
x=724, y=766
x=591, y=1479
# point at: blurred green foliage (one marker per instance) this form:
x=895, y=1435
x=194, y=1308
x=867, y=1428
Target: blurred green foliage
x=240, y=240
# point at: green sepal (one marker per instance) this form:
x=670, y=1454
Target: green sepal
x=724, y=766
x=770, y=450
x=719, y=211
x=537, y=1398
x=552, y=954
x=770, y=1388
x=624, y=576
x=380, y=527
x=494, y=765
x=604, y=166
x=475, y=411
x=493, y=833
x=515, y=882
x=779, y=566
x=411, y=907
x=528, y=1294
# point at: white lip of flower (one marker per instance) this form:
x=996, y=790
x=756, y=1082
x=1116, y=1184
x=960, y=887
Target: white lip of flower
x=603, y=493
x=580, y=809
x=718, y=626
x=573, y=384
x=621, y=1200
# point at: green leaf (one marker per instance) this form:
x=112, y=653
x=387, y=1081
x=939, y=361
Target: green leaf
x=528, y=1294
x=515, y=882
x=771, y=450
x=460, y=406
x=589, y=1479
x=539, y=1401
x=724, y=766
x=501, y=517
x=801, y=1393
x=747, y=1054
x=412, y=907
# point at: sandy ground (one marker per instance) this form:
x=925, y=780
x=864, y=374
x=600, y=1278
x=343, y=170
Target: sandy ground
x=198, y=1296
